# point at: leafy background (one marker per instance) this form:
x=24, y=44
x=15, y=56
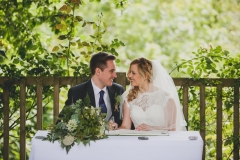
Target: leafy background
x=195, y=39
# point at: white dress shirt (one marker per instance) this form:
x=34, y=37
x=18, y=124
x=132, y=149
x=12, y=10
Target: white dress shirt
x=106, y=98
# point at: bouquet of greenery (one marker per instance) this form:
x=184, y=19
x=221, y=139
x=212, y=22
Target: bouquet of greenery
x=81, y=123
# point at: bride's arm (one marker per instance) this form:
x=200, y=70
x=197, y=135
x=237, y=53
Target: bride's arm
x=171, y=116
x=127, y=122
x=171, y=113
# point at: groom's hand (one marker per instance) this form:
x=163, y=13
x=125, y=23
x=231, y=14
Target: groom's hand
x=112, y=125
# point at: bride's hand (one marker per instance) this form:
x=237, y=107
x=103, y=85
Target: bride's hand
x=143, y=127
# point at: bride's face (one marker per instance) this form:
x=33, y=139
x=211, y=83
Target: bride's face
x=134, y=76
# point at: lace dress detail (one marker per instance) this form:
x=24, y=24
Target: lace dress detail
x=151, y=108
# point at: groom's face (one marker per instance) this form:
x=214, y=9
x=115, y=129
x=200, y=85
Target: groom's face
x=108, y=74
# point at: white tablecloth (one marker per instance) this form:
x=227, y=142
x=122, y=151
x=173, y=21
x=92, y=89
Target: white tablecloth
x=176, y=146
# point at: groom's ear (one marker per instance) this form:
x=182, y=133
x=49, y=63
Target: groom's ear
x=97, y=71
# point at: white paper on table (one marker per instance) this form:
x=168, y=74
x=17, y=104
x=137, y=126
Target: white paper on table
x=125, y=132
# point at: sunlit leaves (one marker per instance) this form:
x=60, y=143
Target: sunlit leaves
x=95, y=26
x=62, y=37
x=75, y=1
x=56, y=48
x=208, y=63
x=104, y=25
x=59, y=26
x=84, y=24
x=73, y=43
x=85, y=43
x=116, y=43
x=99, y=48
x=3, y=53
x=79, y=18
x=66, y=8
x=121, y=3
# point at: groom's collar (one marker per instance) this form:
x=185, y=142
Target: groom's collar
x=96, y=89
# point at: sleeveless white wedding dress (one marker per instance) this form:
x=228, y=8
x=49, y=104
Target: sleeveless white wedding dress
x=154, y=109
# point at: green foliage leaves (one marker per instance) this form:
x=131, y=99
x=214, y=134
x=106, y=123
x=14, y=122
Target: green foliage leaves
x=211, y=63
x=214, y=62
x=24, y=51
x=73, y=48
x=16, y=28
x=66, y=8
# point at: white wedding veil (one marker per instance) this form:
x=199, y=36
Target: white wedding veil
x=161, y=80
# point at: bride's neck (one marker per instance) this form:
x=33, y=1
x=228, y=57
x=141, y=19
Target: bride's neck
x=144, y=88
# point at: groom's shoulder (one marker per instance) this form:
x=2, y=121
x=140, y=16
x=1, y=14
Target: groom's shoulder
x=81, y=85
x=117, y=85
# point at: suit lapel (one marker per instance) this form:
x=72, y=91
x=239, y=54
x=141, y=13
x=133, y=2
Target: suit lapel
x=91, y=93
x=111, y=94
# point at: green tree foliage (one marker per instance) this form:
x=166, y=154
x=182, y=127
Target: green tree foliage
x=169, y=30
x=209, y=63
x=24, y=53
x=212, y=62
x=24, y=56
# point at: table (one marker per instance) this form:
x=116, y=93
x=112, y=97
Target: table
x=176, y=146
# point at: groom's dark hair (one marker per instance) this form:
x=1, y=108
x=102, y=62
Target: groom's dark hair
x=99, y=60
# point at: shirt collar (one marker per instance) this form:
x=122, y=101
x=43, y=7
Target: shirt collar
x=96, y=89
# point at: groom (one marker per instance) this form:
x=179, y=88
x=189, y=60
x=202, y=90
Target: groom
x=100, y=88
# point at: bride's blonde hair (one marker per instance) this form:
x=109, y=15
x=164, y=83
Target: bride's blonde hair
x=145, y=70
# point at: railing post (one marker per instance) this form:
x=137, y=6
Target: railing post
x=56, y=99
x=185, y=103
x=202, y=117
x=219, y=123
x=23, y=119
x=236, y=123
x=121, y=79
x=6, y=122
x=39, y=103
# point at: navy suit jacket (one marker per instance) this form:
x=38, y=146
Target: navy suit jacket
x=80, y=91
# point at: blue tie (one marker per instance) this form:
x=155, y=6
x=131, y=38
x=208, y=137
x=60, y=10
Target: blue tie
x=102, y=103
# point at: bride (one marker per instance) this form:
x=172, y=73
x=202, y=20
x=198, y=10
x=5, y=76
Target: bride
x=151, y=102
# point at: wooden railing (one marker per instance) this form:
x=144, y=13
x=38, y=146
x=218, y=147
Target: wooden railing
x=56, y=82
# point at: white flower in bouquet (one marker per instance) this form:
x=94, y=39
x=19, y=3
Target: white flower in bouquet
x=75, y=117
x=72, y=125
x=101, y=131
x=93, y=111
x=68, y=140
x=98, y=111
